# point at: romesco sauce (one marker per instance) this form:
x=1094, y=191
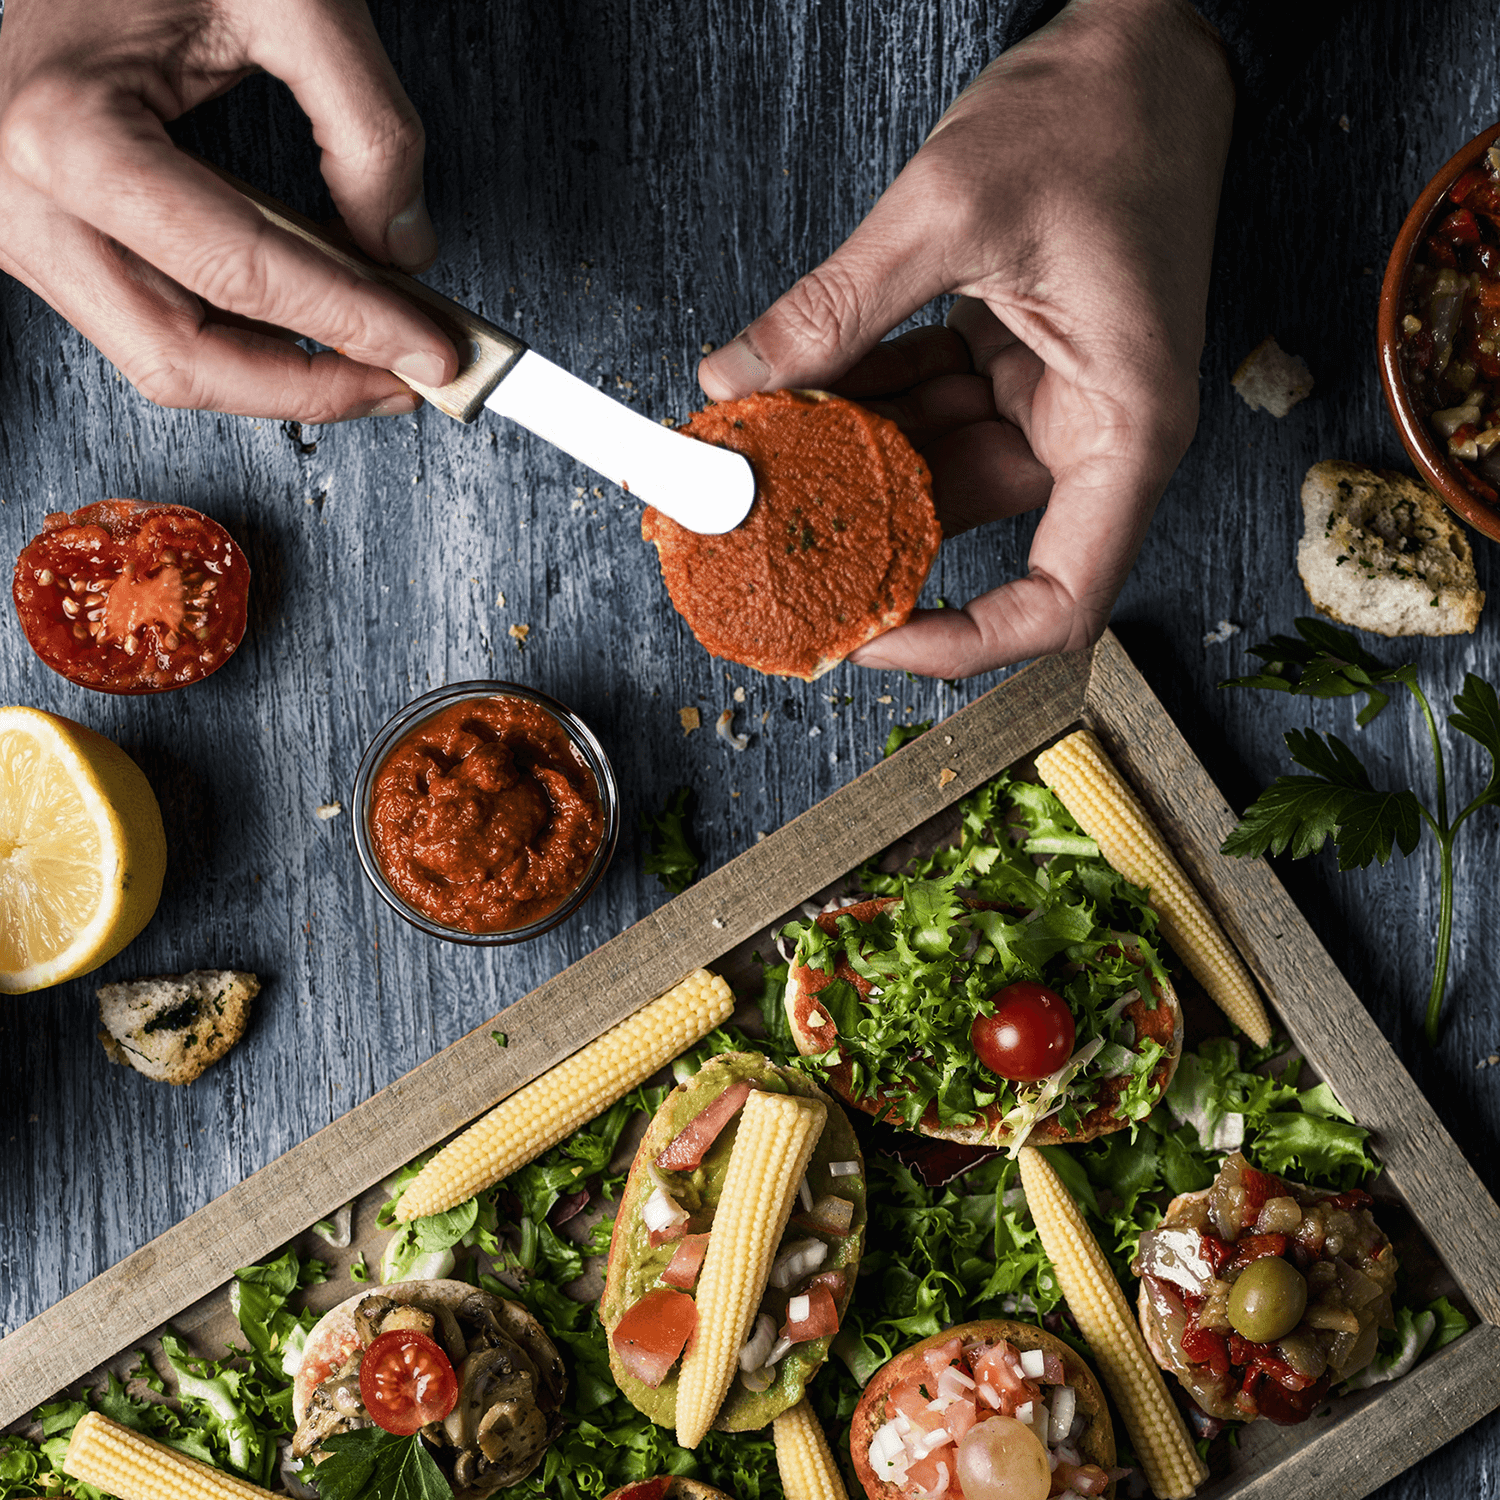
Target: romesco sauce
x=484, y=817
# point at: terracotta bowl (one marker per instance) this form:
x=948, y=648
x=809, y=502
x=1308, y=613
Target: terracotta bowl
x=1445, y=475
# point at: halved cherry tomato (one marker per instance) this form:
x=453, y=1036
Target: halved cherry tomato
x=125, y=597
x=406, y=1381
x=1030, y=1034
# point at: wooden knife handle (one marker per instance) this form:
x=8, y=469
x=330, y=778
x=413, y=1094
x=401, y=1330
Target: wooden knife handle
x=485, y=353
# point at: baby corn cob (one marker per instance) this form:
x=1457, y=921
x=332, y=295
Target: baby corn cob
x=1172, y=1466
x=772, y=1147
x=803, y=1457
x=120, y=1462
x=1088, y=785
x=542, y=1112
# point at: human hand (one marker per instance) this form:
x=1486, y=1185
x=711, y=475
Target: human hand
x=1070, y=195
x=163, y=266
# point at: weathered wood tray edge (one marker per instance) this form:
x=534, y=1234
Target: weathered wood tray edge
x=1360, y=1450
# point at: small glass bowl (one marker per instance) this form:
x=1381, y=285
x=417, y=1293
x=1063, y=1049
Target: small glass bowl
x=429, y=706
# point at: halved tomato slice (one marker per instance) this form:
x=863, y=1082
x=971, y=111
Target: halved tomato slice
x=126, y=597
x=406, y=1381
x=654, y=1332
x=686, y=1262
x=816, y=1320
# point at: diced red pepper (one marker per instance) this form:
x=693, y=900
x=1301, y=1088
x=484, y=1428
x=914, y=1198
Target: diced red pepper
x=1215, y=1251
x=690, y=1145
x=654, y=1332
x=1256, y=1247
x=1460, y=228
x=1259, y=1186
x=1438, y=252
x=1463, y=189
x=822, y=1318
x=687, y=1261
x=1206, y=1346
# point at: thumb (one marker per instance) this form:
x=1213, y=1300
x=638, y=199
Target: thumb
x=814, y=333
x=371, y=138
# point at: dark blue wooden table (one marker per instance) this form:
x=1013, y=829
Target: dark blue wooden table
x=622, y=183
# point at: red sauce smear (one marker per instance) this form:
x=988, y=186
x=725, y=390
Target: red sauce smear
x=484, y=817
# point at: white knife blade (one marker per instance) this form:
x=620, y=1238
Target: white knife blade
x=704, y=488
x=699, y=486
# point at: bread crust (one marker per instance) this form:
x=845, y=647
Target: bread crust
x=1379, y=552
x=639, y=1186
x=678, y=1487
x=1161, y=1023
x=1096, y=1444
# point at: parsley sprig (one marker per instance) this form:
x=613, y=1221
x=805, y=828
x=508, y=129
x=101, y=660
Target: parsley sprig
x=1338, y=800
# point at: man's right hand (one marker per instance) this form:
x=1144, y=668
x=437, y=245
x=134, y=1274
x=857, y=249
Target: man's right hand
x=163, y=266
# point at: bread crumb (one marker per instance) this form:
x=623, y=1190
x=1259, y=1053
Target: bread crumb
x=739, y=695
x=946, y=775
x=1270, y=379
x=328, y=810
x=690, y=719
x=706, y=348
x=1217, y=637
x=173, y=1027
x=884, y=698
x=518, y=634
x=720, y=924
x=499, y=601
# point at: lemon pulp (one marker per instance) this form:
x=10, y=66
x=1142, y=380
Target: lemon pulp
x=81, y=850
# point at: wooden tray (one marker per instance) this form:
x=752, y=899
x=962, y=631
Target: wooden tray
x=1358, y=1445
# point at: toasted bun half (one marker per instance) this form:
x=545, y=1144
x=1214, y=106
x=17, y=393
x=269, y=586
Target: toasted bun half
x=634, y=1265
x=1096, y=1444
x=668, y=1487
x=1160, y=1023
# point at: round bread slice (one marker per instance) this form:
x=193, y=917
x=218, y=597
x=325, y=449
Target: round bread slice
x=835, y=550
x=668, y=1487
x=1096, y=1443
x=634, y=1266
x=814, y=1032
x=334, y=1337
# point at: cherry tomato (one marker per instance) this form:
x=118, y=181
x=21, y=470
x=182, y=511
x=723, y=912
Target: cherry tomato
x=125, y=597
x=406, y=1381
x=1030, y=1034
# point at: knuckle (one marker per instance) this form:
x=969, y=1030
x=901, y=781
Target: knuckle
x=164, y=379
x=29, y=124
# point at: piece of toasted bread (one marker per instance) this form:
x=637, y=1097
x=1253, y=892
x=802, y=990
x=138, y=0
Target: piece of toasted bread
x=835, y=549
x=174, y=1026
x=1096, y=1443
x=667, y=1487
x=1380, y=552
x=814, y=1032
x=1270, y=379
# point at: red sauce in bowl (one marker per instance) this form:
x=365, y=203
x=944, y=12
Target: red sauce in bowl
x=484, y=817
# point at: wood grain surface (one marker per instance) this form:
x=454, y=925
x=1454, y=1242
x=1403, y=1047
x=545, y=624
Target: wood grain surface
x=619, y=183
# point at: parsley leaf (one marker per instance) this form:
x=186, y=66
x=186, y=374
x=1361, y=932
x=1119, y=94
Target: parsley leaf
x=1339, y=801
x=902, y=734
x=372, y=1464
x=672, y=858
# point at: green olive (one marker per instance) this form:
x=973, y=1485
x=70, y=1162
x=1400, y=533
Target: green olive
x=1268, y=1300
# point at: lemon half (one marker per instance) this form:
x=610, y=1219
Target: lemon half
x=82, y=851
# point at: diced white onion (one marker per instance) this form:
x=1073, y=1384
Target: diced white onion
x=796, y=1261
x=798, y=1309
x=1070, y=1455
x=941, y=1487
x=843, y=1169
x=952, y=1383
x=1023, y=1412
x=1064, y=1404
x=723, y=727
x=758, y=1345
x=662, y=1211
x=804, y=1196
x=888, y=1455
x=1033, y=1363
x=990, y=1395
x=933, y=1441
x=903, y=1422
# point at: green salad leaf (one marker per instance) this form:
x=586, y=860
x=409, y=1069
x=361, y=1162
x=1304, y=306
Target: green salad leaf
x=372, y=1464
x=672, y=858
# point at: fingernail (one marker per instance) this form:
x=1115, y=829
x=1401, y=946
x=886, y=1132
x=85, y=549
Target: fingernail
x=421, y=369
x=738, y=368
x=410, y=240
x=402, y=404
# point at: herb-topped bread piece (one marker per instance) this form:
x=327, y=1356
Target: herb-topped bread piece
x=173, y=1027
x=1380, y=552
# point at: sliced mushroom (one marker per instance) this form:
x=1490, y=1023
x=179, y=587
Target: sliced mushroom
x=369, y=1314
